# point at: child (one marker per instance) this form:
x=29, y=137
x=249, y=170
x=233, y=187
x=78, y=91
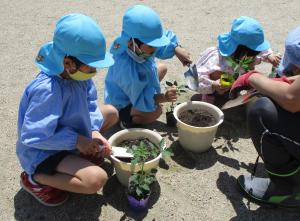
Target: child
x=244, y=41
x=290, y=63
x=132, y=84
x=59, y=117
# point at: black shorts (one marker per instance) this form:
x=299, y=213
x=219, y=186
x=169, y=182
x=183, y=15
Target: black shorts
x=48, y=166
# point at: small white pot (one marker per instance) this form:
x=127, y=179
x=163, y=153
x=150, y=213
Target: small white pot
x=123, y=169
x=197, y=139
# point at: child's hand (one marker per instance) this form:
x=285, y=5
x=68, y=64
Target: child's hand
x=183, y=55
x=88, y=146
x=220, y=89
x=274, y=59
x=171, y=94
x=106, y=146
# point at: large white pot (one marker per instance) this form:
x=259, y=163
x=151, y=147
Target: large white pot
x=197, y=139
x=123, y=169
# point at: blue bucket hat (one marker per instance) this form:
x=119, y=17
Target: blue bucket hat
x=292, y=52
x=143, y=23
x=244, y=31
x=75, y=35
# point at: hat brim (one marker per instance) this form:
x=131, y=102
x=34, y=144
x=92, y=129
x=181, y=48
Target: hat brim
x=156, y=43
x=262, y=47
x=227, y=45
x=106, y=62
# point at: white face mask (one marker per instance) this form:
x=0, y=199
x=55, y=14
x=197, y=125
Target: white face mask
x=139, y=56
x=135, y=57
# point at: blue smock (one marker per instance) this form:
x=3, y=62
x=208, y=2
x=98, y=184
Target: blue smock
x=52, y=113
x=129, y=82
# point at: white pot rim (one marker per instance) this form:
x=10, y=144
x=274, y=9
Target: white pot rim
x=121, y=132
x=218, y=110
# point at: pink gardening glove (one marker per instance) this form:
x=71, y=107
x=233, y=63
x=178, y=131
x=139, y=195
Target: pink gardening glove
x=283, y=79
x=241, y=83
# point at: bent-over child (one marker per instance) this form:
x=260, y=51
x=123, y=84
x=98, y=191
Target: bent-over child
x=238, y=52
x=132, y=84
x=59, y=122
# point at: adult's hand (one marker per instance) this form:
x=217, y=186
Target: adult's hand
x=241, y=83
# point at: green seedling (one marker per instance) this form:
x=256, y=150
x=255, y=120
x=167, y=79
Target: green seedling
x=240, y=66
x=180, y=89
x=139, y=182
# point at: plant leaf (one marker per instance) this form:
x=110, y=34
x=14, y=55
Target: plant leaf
x=169, y=83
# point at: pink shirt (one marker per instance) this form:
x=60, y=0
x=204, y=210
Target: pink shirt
x=211, y=60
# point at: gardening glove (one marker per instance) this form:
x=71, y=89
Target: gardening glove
x=241, y=83
x=219, y=88
x=283, y=79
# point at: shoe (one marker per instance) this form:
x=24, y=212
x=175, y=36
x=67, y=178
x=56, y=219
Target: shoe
x=46, y=195
x=264, y=190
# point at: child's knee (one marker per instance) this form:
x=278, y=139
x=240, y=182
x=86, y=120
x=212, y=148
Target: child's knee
x=94, y=180
x=113, y=113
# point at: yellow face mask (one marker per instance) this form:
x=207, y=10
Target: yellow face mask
x=81, y=76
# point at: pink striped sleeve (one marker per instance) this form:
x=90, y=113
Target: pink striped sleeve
x=208, y=62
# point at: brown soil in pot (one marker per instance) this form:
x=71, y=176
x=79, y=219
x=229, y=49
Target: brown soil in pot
x=136, y=142
x=197, y=118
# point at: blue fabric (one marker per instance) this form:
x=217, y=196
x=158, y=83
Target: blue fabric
x=292, y=52
x=52, y=113
x=76, y=35
x=128, y=82
x=143, y=23
x=244, y=31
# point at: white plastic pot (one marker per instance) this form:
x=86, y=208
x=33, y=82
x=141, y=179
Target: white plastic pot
x=197, y=139
x=123, y=169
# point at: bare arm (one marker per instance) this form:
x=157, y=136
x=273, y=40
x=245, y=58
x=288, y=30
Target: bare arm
x=286, y=95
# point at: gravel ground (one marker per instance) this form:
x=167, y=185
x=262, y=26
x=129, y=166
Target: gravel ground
x=190, y=186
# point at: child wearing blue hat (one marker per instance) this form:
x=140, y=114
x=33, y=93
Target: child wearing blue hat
x=132, y=84
x=290, y=63
x=59, y=122
x=245, y=42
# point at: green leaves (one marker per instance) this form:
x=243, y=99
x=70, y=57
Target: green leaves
x=179, y=90
x=240, y=66
x=170, y=84
x=139, y=182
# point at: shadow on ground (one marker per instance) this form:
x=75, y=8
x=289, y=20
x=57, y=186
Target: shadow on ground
x=115, y=195
x=205, y=160
x=228, y=186
x=77, y=207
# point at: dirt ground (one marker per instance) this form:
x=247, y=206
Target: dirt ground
x=190, y=186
